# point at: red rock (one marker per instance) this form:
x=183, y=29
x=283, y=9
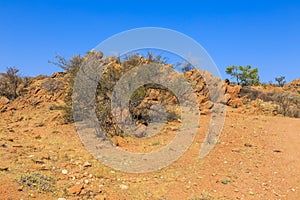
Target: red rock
x=118, y=141
x=76, y=189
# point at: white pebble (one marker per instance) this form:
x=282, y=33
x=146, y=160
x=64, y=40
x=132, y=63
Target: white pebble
x=124, y=187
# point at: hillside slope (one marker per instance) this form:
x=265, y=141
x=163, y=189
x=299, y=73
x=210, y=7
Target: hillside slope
x=257, y=157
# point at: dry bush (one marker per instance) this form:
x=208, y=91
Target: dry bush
x=53, y=86
x=253, y=94
x=9, y=83
x=71, y=67
x=38, y=182
x=289, y=104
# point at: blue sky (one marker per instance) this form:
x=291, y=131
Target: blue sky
x=264, y=34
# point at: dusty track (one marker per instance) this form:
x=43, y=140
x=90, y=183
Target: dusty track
x=258, y=157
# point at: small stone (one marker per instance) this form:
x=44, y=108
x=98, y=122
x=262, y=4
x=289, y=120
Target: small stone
x=4, y=145
x=76, y=189
x=224, y=182
x=2, y=168
x=124, y=187
x=293, y=190
x=248, y=145
x=118, y=141
x=87, y=164
x=237, y=150
x=86, y=181
x=61, y=199
x=234, y=106
x=209, y=105
x=32, y=195
x=100, y=188
x=38, y=137
x=38, y=161
x=251, y=193
x=64, y=171
x=20, y=188
x=236, y=190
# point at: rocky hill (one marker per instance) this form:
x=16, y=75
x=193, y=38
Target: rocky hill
x=266, y=99
x=55, y=90
x=42, y=156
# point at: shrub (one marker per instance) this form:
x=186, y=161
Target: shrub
x=115, y=69
x=71, y=66
x=288, y=104
x=9, y=83
x=280, y=80
x=38, y=182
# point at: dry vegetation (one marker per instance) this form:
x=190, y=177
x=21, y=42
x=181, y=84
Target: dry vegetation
x=42, y=157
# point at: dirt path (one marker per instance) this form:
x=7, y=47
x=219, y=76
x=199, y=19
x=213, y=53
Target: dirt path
x=258, y=157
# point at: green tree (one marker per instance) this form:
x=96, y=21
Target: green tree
x=244, y=75
x=249, y=76
x=280, y=80
x=233, y=72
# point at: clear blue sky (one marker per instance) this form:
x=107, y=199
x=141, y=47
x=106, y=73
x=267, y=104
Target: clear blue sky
x=264, y=34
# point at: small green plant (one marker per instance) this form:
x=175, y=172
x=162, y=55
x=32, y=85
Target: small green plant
x=38, y=182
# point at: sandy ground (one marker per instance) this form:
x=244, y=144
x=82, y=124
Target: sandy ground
x=258, y=157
